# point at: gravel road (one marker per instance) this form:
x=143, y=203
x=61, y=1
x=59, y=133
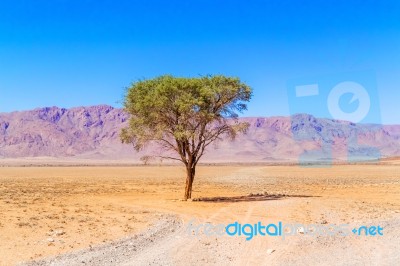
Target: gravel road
x=125, y=251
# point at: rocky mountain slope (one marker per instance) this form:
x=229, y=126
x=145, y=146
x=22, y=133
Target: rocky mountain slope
x=93, y=133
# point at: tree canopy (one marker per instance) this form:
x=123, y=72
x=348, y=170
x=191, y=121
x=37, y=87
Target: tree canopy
x=185, y=115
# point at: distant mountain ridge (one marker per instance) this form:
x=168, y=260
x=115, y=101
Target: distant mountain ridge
x=93, y=133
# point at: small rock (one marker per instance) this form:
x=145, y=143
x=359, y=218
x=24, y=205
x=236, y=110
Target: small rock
x=270, y=251
x=300, y=230
x=51, y=240
x=265, y=193
x=59, y=232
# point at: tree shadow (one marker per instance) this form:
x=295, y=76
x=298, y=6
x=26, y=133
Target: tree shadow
x=251, y=197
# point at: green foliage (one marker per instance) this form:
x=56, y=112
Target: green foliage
x=184, y=115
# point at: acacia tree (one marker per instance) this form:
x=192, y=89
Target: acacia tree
x=184, y=116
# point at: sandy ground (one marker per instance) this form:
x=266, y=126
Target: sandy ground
x=46, y=211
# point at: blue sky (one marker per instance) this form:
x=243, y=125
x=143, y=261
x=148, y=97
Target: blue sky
x=71, y=53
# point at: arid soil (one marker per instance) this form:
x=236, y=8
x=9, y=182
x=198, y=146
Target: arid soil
x=47, y=211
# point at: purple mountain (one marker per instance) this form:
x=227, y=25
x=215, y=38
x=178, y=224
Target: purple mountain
x=93, y=133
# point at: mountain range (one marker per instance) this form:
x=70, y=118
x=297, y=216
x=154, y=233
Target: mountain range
x=93, y=133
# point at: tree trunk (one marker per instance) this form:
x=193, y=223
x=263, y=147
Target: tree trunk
x=190, y=172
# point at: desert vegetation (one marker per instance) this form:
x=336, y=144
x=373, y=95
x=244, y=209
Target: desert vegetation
x=184, y=116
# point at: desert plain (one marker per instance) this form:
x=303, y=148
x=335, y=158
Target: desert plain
x=51, y=211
